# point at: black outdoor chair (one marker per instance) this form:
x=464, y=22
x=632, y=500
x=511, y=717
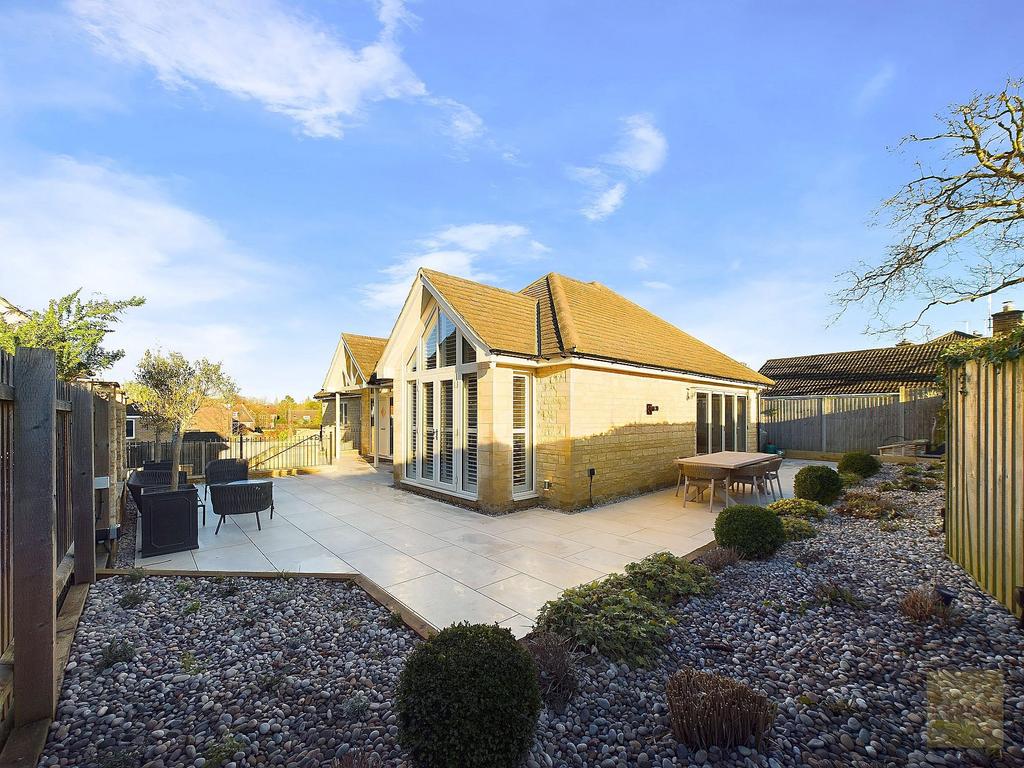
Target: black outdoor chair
x=149, y=478
x=242, y=499
x=220, y=471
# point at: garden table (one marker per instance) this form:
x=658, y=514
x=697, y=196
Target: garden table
x=727, y=460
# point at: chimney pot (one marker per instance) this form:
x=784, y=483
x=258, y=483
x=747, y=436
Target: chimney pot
x=1005, y=321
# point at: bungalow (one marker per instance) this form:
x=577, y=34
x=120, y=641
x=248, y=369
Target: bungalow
x=564, y=393
x=351, y=397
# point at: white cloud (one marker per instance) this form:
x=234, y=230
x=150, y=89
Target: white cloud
x=642, y=148
x=872, y=90
x=640, y=263
x=641, y=152
x=606, y=203
x=292, y=63
x=657, y=285
x=69, y=224
x=456, y=250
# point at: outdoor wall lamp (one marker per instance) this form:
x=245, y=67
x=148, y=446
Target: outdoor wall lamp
x=547, y=485
x=651, y=408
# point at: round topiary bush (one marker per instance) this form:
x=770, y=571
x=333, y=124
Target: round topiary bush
x=859, y=463
x=468, y=696
x=818, y=483
x=754, y=532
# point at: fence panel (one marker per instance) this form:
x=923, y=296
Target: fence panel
x=63, y=520
x=840, y=423
x=287, y=453
x=6, y=516
x=985, y=475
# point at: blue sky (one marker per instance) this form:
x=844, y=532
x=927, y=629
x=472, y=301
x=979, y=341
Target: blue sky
x=269, y=174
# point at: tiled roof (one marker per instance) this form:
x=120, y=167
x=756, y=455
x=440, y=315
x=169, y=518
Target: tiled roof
x=862, y=371
x=557, y=315
x=505, y=321
x=366, y=351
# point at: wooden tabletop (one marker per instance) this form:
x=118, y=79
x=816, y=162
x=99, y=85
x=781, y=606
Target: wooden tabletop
x=727, y=459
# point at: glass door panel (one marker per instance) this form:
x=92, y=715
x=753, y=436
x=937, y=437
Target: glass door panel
x=741, y=423
x=446, y=449
x=716, y=423
x=702, y=422
x=428, y=431
x=730, y=424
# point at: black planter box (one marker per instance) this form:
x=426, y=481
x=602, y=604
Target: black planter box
x=169, y=519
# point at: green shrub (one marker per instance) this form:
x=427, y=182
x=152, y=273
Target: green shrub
x=805, y=508
x=609, y=616
x=867, y=505
x=708, y=710
x=468, y=696
x=218, y=754
x=117, y=651
x=667, y=579
x=754, y=532
x=831, y=593
x=818, y=483
x=356, y=706
x=889, y=526
x=797, y=529
x=859, y=463
x=190, y=665
x=556, y=668
x=132, y=598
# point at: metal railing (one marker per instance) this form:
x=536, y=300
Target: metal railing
x=263, y=454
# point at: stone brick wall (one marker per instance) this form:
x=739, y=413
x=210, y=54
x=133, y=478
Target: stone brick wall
x=554, y=453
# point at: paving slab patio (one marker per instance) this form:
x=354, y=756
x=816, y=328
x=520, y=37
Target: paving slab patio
x=446, y=563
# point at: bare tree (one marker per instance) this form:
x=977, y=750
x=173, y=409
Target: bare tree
x=961, y=226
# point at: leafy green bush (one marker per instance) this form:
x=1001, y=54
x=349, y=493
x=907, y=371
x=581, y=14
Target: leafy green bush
x=797, y=529
x=818, y=483
x=754, y=532
x=805, y=508
x=468, y=696
x=868, y=505
x=609, y=616
x=667, y=579
x=859, y=463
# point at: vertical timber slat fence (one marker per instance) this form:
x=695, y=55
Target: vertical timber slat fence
x=47, y=521
x=985, y=475
x=841, y=423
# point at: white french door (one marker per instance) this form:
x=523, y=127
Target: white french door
x=436, y=433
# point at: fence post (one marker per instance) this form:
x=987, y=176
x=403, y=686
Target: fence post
x=33, y=528
x=83, y=493
x=101, y=458
x=821, y=415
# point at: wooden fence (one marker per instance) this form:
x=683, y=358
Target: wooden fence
x=53, y=435
x=840, y=423
x=985, y=475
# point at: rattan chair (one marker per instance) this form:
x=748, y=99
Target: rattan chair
x=703, y=478
x=242, y=499
x=220, y=471
x=147, y=478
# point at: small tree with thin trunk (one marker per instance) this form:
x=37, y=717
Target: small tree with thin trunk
x=172, y=389
x=961, y=224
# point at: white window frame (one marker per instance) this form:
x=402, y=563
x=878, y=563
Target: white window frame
x=416, y=357
x=134, y=422
x=530, y=489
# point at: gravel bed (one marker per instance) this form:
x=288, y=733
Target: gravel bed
x=849, y=681
x=284, y=666
x=126, y=543
x=299, y=671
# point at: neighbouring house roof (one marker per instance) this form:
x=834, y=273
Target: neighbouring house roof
x=213, y=417
x=10, y=314
x=365, y=351
x=862, y=371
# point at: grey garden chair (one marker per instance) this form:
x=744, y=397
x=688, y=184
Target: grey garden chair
x=703, y=478
x=771, y=475
x=242, y=498
x=221, y=471
x=754, y=475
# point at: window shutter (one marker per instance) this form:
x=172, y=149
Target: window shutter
x=469, y=452
x=522, y=475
